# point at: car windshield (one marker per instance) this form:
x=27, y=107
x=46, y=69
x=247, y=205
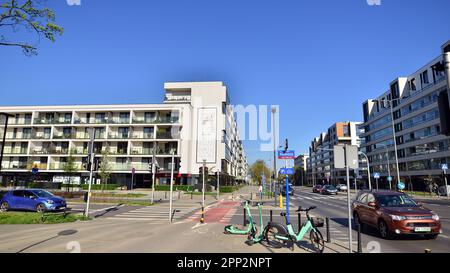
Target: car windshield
x=330, y=187
x=395, y=201
x=42, y=193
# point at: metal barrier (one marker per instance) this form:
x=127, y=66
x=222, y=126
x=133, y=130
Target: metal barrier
x=327, y=221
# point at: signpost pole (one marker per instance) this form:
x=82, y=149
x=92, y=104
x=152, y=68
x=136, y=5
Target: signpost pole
x=153, y=173
x=445, y=167
x=91, y=159
x=171, y=187
x=347, y=169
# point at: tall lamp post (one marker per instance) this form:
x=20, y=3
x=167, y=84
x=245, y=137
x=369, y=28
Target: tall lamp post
x=274, y=110
x=368, y=168
x=7, y=116
x=393, y=133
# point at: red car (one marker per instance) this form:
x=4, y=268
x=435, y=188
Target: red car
x=317, y=189
x=394, y=213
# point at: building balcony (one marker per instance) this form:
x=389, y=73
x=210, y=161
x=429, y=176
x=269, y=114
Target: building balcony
x=41, y=136
x=79, y=151
x=118, y=135
x=62, y=165
x=166, y=135
x=91, y=121
x=12, y=121
x=156, y=120
x=63, y=136
x=40, y=151
x=59, y=151
x=141, y=151
x=14, y=166
x=143, y=136
x=9, y=150
x=113, y=151
x=119, y=121
x=52, y=121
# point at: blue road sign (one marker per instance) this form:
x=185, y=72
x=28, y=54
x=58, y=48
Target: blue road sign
x=289, y=154
x=376, y=175
x=287, y=171
x=389, y=178
x=34, y=170
x=444, y=166
x=401, y=185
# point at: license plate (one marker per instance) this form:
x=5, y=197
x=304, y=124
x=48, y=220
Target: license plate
x=422, y=229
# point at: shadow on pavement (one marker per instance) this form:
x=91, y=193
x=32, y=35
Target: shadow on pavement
x=61, y=233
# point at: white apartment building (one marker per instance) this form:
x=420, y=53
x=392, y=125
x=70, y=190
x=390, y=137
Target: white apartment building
x=320, y=162
x=195, y=123
x=422, y=125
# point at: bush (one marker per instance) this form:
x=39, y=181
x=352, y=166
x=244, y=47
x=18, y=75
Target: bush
x=228, y=189
x=175, y=187
x=97, y=187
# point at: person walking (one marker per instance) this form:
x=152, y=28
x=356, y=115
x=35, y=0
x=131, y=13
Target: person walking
x=260, y=191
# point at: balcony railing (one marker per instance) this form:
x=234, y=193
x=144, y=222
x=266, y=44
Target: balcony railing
x=87, y=136
x=63, y=136
x=144, y=120
x=142, y=151
x=91, y=121
x=40, y=151
x=18, y=136
x=165, y=135
x=9, y=150
x=143, y=135
x=118, y=135
x=62, y=165
x=59, y=151
x=113, y=151
x=12, y=121
x=52, y=121
x=119, y=120
x=156, y=120
x=14, y=166
x=41, y=136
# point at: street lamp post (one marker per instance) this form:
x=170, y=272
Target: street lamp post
x=171, y=185
x=394, y=136
x=274, y=110
x=368, y=169
x=7, y=116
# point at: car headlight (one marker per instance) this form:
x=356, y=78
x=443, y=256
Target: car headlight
x=397, y=217
x=435, y=217
x=50, y=201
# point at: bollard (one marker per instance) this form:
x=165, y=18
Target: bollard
x=270, y=215
x=281, y=201
x=299, y=221
x=327, y=220
x=427, y=250
x=202, y=220
x=359, y=239
x=179, y=194
x=165, y=195
x=245, y=220
x=192, y=194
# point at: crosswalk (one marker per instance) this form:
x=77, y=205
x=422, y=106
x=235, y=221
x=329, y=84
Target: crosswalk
x=159, y=213
x=321, y=197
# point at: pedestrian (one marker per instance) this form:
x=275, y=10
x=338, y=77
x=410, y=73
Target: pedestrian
x=260, y=190
x=436, y=188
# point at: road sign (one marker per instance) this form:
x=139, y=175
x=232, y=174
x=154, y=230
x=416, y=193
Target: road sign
x=34, y=170
x=287, y=171
x=444, y=167
x=343, y=152
x=289, y=154
x=376, y=175
x=401, y=185
x=389, y=178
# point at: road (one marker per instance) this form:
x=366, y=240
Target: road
x=335, y=207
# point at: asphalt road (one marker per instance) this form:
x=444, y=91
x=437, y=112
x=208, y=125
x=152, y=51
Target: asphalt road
x=335, y=207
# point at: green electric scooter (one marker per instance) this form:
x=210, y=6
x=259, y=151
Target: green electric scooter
x=251, y=230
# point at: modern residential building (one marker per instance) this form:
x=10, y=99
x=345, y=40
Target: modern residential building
x=301, y=162
x=195, y=124
x=321, y=160
x=421, y=120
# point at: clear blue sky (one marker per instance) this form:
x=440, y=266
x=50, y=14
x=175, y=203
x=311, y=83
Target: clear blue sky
x=318, y=59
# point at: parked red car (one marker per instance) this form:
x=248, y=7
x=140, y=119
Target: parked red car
x=395, y=213
x=317, y=189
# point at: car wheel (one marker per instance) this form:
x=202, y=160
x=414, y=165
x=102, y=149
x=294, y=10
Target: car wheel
x=383, y=228
x=4, y=207
x=40, y=208
x=431, y=236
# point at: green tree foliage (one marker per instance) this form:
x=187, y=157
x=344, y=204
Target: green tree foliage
x=104, y=168
x=29, y=15
x=298, y=175
x=257, y=169
x=70, y=168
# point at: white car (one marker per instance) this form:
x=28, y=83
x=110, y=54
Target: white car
x=341, y=187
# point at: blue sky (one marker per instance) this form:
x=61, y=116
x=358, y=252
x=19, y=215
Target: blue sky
x=317, y=60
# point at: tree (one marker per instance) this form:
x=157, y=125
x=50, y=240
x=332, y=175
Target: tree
x=70, y=168
x=27, y=14
x=257, y=169
x=298, y=176
x=104, y=169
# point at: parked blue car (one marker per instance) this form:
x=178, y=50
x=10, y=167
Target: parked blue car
x=31, y=199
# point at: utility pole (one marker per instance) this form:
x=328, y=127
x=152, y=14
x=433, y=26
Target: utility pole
x=347, y=169
x=202, y=220
x=395, y=141
x=218, y=183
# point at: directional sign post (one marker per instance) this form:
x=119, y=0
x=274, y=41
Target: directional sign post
x=289, y=154
x=376, y=176
x=445, y=168
x=287, y=171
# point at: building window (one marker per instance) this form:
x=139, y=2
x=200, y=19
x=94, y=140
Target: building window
x=412, y=84
x=424, y=77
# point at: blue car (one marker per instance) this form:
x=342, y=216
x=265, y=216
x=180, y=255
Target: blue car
x=31, y=199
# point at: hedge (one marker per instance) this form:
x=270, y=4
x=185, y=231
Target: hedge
x=97, y=187
x=175, y=187
x=228, y=189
